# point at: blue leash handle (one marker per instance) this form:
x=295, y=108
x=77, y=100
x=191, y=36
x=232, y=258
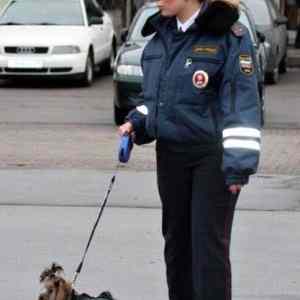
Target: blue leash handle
x=126, y=145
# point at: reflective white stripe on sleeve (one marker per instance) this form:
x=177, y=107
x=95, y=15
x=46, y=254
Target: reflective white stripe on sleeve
x=242, y=132
x=142, y=109
x=244, y=144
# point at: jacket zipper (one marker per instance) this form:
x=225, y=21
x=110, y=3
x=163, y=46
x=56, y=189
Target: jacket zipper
x=159, y=84
x=214, y=119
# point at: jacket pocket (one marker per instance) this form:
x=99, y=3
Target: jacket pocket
x=196, y=123
x=151, y=73
x=189, y=88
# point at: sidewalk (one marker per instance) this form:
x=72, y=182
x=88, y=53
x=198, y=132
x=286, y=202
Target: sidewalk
x=132, y=189
x=126, y=256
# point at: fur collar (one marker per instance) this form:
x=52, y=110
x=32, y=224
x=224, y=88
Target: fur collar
x=216, y=18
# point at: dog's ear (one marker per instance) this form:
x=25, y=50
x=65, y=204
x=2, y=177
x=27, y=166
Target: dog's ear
x=45, y=274
x=55, y=267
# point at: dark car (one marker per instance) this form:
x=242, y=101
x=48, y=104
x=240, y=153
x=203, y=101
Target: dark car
x=128, y=74
x=272, y=24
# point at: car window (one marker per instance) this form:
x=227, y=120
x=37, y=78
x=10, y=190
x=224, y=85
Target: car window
x=260, y=11
x=54, y=12
x=139, y=22
x=93, y=9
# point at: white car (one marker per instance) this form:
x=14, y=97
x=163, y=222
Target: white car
x=67, y=38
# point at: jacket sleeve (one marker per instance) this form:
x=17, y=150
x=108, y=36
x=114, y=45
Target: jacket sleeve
x=138, y=116
x=239, y=97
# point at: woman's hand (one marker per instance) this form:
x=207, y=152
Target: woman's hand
x=235, y=188
x=126, y=128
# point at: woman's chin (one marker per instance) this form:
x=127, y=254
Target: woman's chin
x=166, y=13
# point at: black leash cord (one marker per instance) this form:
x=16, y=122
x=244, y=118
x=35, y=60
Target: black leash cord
x=79, y=268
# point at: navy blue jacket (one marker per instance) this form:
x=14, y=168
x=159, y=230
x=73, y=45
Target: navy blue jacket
x=200, y=89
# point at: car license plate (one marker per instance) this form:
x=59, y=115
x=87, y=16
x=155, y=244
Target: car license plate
x=25, y=64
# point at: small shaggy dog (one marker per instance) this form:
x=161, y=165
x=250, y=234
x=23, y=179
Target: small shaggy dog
x=58, y=288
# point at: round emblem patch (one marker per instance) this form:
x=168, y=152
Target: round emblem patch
x=200, y=79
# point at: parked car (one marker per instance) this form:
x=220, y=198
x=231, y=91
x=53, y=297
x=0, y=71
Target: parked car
x=57, y=38
x=272, y=24
x=128, y=74
x=262, y=48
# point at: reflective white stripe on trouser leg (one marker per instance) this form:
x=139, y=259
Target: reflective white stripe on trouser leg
x=242, y=132
x=244, y=144
x=142, y=109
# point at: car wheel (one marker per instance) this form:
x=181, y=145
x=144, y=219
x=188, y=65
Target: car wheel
x=262, y=105
x=88, y=76
x=273, y=77
x=109, y=63
x=283, y=65
x=119, y=115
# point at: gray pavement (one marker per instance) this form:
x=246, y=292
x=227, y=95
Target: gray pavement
x=126, y=256
x=71, y=146
x=56, y=102
x=283, y=102
x=134, y=189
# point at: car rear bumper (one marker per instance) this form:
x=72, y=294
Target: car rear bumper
x=42, y=65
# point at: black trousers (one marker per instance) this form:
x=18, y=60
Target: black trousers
x=197, y=217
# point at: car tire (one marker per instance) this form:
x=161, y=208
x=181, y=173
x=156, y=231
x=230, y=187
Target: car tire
x=262, y=107
x=119, y=115
x=108, y=66
x=87, y=78
x=273, y=77
x=283, y=65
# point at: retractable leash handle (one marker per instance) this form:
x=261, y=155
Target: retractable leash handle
x=125, y=147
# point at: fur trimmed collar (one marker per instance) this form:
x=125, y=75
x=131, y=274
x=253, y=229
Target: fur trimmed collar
x=216, y=17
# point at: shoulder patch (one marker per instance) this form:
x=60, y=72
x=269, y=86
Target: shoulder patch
x=246, y=64
x=238, y=29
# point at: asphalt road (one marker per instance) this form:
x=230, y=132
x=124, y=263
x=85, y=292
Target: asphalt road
x=56, y=102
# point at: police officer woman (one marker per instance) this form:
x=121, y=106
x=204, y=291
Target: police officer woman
x=200, y=103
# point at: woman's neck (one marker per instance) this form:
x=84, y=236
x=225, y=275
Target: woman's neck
x=188, y=11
